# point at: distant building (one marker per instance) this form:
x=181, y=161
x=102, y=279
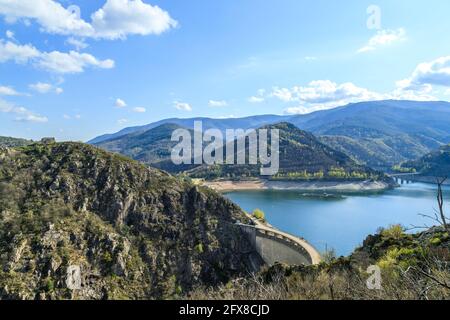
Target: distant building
x=48, y=140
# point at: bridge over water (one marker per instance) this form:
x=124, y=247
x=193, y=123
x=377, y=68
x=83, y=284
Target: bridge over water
x=404, y=178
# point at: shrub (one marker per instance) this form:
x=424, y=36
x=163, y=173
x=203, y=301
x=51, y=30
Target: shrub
x=50, y=285
x=394, y=232
x=259, y=214
x=199, y=248
x=435, y=241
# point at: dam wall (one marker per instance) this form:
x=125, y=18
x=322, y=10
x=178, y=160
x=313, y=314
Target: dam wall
x=275, y=246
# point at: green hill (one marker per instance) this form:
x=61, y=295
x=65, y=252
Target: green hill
x=434, y=164
x=152, y=147
x=302, y=157
x=13, y=142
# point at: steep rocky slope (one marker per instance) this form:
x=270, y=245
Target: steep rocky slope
x=77, y=222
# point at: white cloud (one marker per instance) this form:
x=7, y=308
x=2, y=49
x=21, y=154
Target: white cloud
x=419, y=86
x=49, y=14
x=182, y=106
x=383, y=38
x=311, y=58
x=8, y=91
x=116, y=19
x=78, y=44
x=29, y=117
x=139, y=110
x=122, y=121
x=120, y=103
x=18, y=53
x=119, y=18
x=259, y=97
x=283, y=94
x=9, y=34
x=303, y=110
x=255, y=99
x=72, y=62
x=55, y=61
x=43, y=88
x=76, y=117
x=436, y=72
x=22, y=114
x=217, y=103
x=324, y=94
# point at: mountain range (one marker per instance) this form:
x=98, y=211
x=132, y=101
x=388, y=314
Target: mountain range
x=301, y=156
x=378, y=133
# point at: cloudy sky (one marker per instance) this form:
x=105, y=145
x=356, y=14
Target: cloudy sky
x=77, y=69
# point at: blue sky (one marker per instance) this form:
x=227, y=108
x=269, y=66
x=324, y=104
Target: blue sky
x=130, y=62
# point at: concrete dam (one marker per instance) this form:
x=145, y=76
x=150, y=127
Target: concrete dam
x=275, y=246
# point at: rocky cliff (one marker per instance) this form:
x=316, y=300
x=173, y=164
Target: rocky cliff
x=80, y=223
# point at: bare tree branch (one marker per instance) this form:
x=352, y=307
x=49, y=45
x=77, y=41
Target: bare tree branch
x=440, y=199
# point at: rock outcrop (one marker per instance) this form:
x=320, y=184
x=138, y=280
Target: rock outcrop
x=80, y=223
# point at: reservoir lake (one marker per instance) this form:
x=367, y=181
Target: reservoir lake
x=342, y=221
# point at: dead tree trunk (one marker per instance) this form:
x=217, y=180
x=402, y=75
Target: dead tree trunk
x=440, y=199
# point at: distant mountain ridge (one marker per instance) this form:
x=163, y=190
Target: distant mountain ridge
x=394, y=131
x=302, y=156
x=152, y=147
x=208, y=123
x=13, y=142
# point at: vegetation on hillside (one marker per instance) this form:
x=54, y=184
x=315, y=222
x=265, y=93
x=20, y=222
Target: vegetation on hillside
x=13, y=142
x=379, y=134
x=302, y=157
x=133, y=232
x=435, y=164
x=152, y=147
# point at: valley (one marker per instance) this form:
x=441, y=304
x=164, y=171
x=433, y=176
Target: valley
x=138, y=226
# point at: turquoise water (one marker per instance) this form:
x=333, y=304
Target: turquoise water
x=342, y=223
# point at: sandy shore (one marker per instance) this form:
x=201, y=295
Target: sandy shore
x=351, y=186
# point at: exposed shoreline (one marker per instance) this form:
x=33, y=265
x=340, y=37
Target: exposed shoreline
x=336, y=186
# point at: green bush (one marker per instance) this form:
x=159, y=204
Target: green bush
x=50, y=285
x=259, y=214
x=199, y=248
x=394, y=232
